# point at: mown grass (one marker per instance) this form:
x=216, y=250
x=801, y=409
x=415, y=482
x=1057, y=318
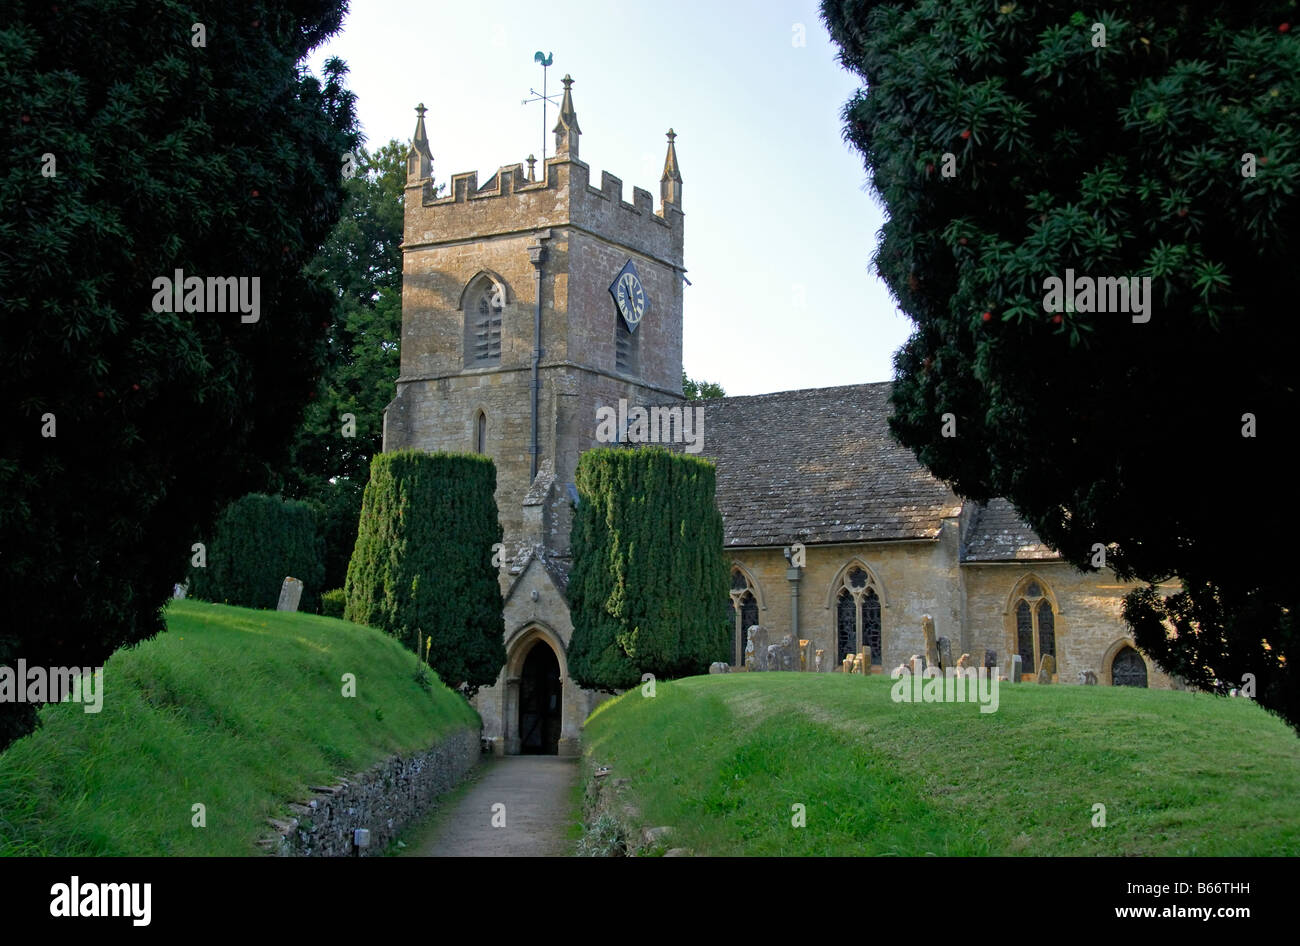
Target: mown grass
x=235, y=709
x=722, y=759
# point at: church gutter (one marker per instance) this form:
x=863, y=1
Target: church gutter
x=537, y=256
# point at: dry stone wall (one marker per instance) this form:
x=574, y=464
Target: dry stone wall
x=384, y=800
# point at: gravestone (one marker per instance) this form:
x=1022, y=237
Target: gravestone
x=847, y=666
x=290, y=595
x=819, y=659
x=719, y=667
x=1088, y=677
x=964, y=661
x=758, y=637
x=945, y=653
x=931, y=648
x=807, y=652
x=917, y=664
x=782, y=656
x=1046, y=669
x=178, y=591
x=1016, y=669
x=990, y=659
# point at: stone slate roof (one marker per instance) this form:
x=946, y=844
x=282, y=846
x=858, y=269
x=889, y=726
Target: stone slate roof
x=998, y=534
x=818, y=465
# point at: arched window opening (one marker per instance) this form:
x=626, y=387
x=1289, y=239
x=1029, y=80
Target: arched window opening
x=742, y=612
x=857, y=617
x=480, y=433
x=484, y=306
x=1035, y=633
x=1128, y=669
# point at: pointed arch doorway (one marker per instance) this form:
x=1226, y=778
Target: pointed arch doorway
x=541, y=699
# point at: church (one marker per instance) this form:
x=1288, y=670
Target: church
x=536, y=302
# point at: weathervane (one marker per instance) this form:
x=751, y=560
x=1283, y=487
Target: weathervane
x=545, y=59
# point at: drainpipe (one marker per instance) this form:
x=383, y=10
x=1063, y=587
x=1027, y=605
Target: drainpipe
x=537, y=256
x=794, y=574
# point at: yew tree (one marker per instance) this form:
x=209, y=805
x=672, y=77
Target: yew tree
x=139, y=139
x=1016, y=143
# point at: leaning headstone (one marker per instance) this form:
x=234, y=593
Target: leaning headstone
x=931, y=648
x=917, y=664
x=1088, y=677
x=178, y=591
x=290, y=595
x=719, y=667
x=1017, y=668
x=1046, y=668
x=945, y=653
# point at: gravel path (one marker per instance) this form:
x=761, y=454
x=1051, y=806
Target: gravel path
x=536, y=792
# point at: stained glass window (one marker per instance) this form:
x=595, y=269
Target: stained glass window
x=1025, y=637
x=1128, y=669
x=871, y=625
x=846, y=623
x=1046, y=631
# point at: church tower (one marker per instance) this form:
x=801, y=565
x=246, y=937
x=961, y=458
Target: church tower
x=528, y=303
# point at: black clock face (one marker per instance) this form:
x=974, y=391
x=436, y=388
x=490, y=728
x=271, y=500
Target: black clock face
x=630, y=296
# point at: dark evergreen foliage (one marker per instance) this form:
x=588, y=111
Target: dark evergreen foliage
x=648, y=588
x=258, y=542
x=219, y=161
x=422, y=566
x=1115, y=159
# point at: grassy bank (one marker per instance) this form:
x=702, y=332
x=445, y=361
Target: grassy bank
x=234, y=709
x=722, y=759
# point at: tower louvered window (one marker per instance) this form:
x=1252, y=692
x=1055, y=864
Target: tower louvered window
x=483, y=326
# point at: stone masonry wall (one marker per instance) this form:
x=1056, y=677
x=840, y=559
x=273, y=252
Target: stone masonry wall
x=385, y=799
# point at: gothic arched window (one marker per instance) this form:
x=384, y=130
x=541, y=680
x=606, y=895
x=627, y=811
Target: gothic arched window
x=742, y=611
x=1035, y=632
x=1128, y=669
x=485, y=301
x=480, y=433
x=857, y=616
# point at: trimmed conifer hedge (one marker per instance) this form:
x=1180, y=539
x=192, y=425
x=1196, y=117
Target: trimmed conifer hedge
x=422, y=566
x=259, y=541
x=648, y=588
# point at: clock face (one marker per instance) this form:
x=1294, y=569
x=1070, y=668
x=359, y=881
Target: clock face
x=630, y=296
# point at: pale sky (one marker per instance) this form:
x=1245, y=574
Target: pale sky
x=780, y=227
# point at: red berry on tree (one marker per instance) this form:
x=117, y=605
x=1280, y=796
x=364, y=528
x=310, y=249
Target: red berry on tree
x=965, y=134
x=26, y=119
x=255, y=194
x=1182, y=211
x=986, y=316
x=135, y=387
x=962, y=241
x=1284, y=28
x=1056, y=319
x=929, y=168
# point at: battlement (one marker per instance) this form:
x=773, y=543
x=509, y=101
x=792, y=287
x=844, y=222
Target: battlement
x=512, y=201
